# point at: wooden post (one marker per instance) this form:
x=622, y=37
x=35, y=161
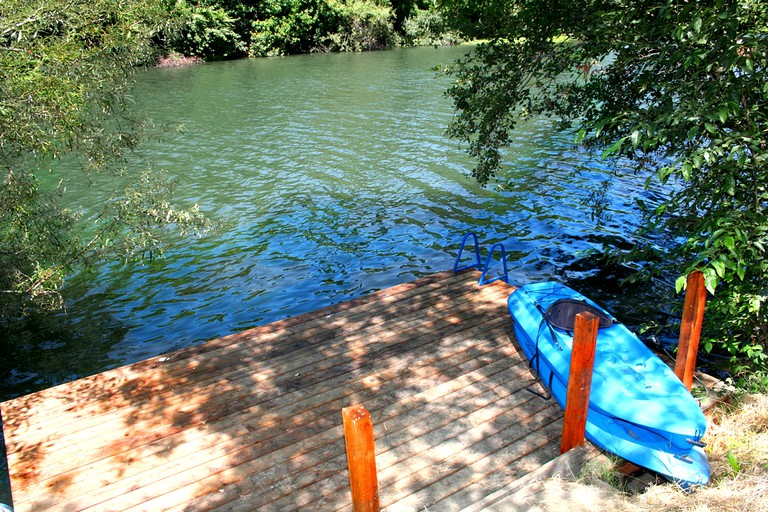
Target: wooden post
x=690, y=329
x=579, y=380
x=361, y=459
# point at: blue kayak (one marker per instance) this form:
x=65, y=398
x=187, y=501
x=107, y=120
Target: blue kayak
x=638, y=409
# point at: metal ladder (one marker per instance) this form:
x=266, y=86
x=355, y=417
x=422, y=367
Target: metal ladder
x=478, y=265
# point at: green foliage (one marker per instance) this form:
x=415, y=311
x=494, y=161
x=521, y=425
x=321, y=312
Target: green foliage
x=34, y=235
x=219, y=29
x=285, y=27
x=404, y=9
x=64, y=93
x=753, y=382
x=426, y=27
x=678, y=88
x=208, y=31
x=362, y=26
x=298, y=26
x=733, y=462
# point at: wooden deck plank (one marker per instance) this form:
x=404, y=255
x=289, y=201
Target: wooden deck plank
x=280, y=329
x=267, y=399
x=334, y=420
x=252, y=421
x=269, y=427
x=429, y=422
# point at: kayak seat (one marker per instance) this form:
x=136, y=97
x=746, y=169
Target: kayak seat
x=562, y=314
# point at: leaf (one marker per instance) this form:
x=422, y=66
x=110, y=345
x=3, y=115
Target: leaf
x=635, y=138
x=733, y=462
x=719, y=267
x=696, y=25
x=680, y=284
x=710, y=280
x=599, y=128
x=685, y=170
x=615, y=148
x=723, y=114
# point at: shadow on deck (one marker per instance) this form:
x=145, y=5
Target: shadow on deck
x=252, y=421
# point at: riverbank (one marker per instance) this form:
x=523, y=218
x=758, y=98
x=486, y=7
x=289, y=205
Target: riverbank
x=737, y=438
x=176, y=60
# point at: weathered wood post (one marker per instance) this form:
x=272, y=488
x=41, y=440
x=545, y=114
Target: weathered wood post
x=690, y=329
x=361, y=458
x=579, y=380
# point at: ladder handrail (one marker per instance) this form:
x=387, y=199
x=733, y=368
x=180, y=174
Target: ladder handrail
x=505, y=276
x=476, y=265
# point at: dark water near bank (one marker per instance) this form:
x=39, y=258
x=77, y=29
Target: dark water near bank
x=329, y=177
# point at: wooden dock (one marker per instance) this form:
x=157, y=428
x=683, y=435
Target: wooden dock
x=253, y=421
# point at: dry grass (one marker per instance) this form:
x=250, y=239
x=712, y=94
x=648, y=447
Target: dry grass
x=737, y=438
x=739, y=481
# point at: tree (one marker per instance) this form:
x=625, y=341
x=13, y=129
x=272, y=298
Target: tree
x=207, y=32
x=302, y=26
x=224, y=29
x=678, y=87
x=426, y=27
x=66, y=72
x=403, y=9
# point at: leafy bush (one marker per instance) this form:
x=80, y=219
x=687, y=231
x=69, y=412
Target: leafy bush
x=285, y=27
x=426, y=27
x=207, y=32
x=362, y=26
x=296, y=26
x=67, y=78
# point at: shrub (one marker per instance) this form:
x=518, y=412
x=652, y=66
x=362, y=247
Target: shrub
x=287, y=27
x=362, y=26
x=426, y=27
x=297, y=26
x=207, y=32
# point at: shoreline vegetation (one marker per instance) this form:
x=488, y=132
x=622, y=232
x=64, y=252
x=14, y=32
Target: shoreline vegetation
x=737, y=448
x=225, y=30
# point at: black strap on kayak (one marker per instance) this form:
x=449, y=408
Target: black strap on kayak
x=536, y=364
x=545, y=321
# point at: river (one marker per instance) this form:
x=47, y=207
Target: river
x=328, y=176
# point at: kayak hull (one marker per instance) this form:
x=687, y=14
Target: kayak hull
x=638, y=409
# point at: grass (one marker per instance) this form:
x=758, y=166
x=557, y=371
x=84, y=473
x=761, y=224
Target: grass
x=737, y=448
